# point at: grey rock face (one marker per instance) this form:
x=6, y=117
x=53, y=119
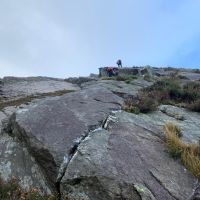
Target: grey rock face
x=191, y=76
x=20, y=88
x=102, y=157
x=189, y=122
x=50, y=128
x=15, y=161
x=131, y=156
x=119, y=87
x=196, y=194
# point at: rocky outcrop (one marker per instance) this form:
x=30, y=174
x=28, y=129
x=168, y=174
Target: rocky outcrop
x=82, y=145
x=196, y=194
x=16, y=162
x=22, y=87
x=119, y=88
x=51, y=128
x=131, y=155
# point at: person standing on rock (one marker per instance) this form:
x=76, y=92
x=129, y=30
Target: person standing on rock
x=119, y=63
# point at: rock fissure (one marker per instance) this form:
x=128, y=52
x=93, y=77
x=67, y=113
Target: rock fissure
x=78, y=142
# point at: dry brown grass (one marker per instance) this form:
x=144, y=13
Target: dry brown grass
x=188, y=153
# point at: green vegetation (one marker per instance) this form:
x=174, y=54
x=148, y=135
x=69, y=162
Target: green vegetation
x=148, y=78
x=188, y=153
x=142, y=103
x=12, y=191
x=126, y=79
x=166, y=91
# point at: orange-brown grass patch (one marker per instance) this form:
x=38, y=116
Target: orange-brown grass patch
x=188, y=153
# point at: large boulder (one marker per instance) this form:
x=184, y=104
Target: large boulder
x=15, y=161
x=52, y=128
x=127, y=161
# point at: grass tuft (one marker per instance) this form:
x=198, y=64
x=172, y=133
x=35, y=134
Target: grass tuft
x=188, y=153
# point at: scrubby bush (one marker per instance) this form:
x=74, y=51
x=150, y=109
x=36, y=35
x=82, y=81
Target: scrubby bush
x=142, y=103
x=146, y=103
x=182, y=77
x=132, y=109
x=148, y=78
x=168, y=91
x=194, y=106
x=191, y=92
x=165, y=89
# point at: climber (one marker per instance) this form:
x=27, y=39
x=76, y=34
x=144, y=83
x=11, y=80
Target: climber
x=119, y=63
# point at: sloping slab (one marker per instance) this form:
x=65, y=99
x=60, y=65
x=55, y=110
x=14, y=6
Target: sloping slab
x=15, y=161
x=127, y=156
x=52, y=127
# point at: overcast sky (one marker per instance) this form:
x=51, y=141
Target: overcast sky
x=62, y=38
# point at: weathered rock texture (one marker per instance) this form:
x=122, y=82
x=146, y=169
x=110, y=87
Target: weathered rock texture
x=82, y=145
x=20, y=87
x=50, y=128
x=131, y=155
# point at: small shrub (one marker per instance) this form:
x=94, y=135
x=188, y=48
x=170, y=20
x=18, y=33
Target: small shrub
x=168, y=91
x=169, y=88
x=194, y=106
x=174, y=144
x=170, y=127
x=191, y=160
x=142, y=103
x=132, y=109
x=12, y=191
x=148, y=78
x=182, y=77
x=108, y=78
x=127, y=79
x=121, y=78
x=146, y=103
x=191, y=91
